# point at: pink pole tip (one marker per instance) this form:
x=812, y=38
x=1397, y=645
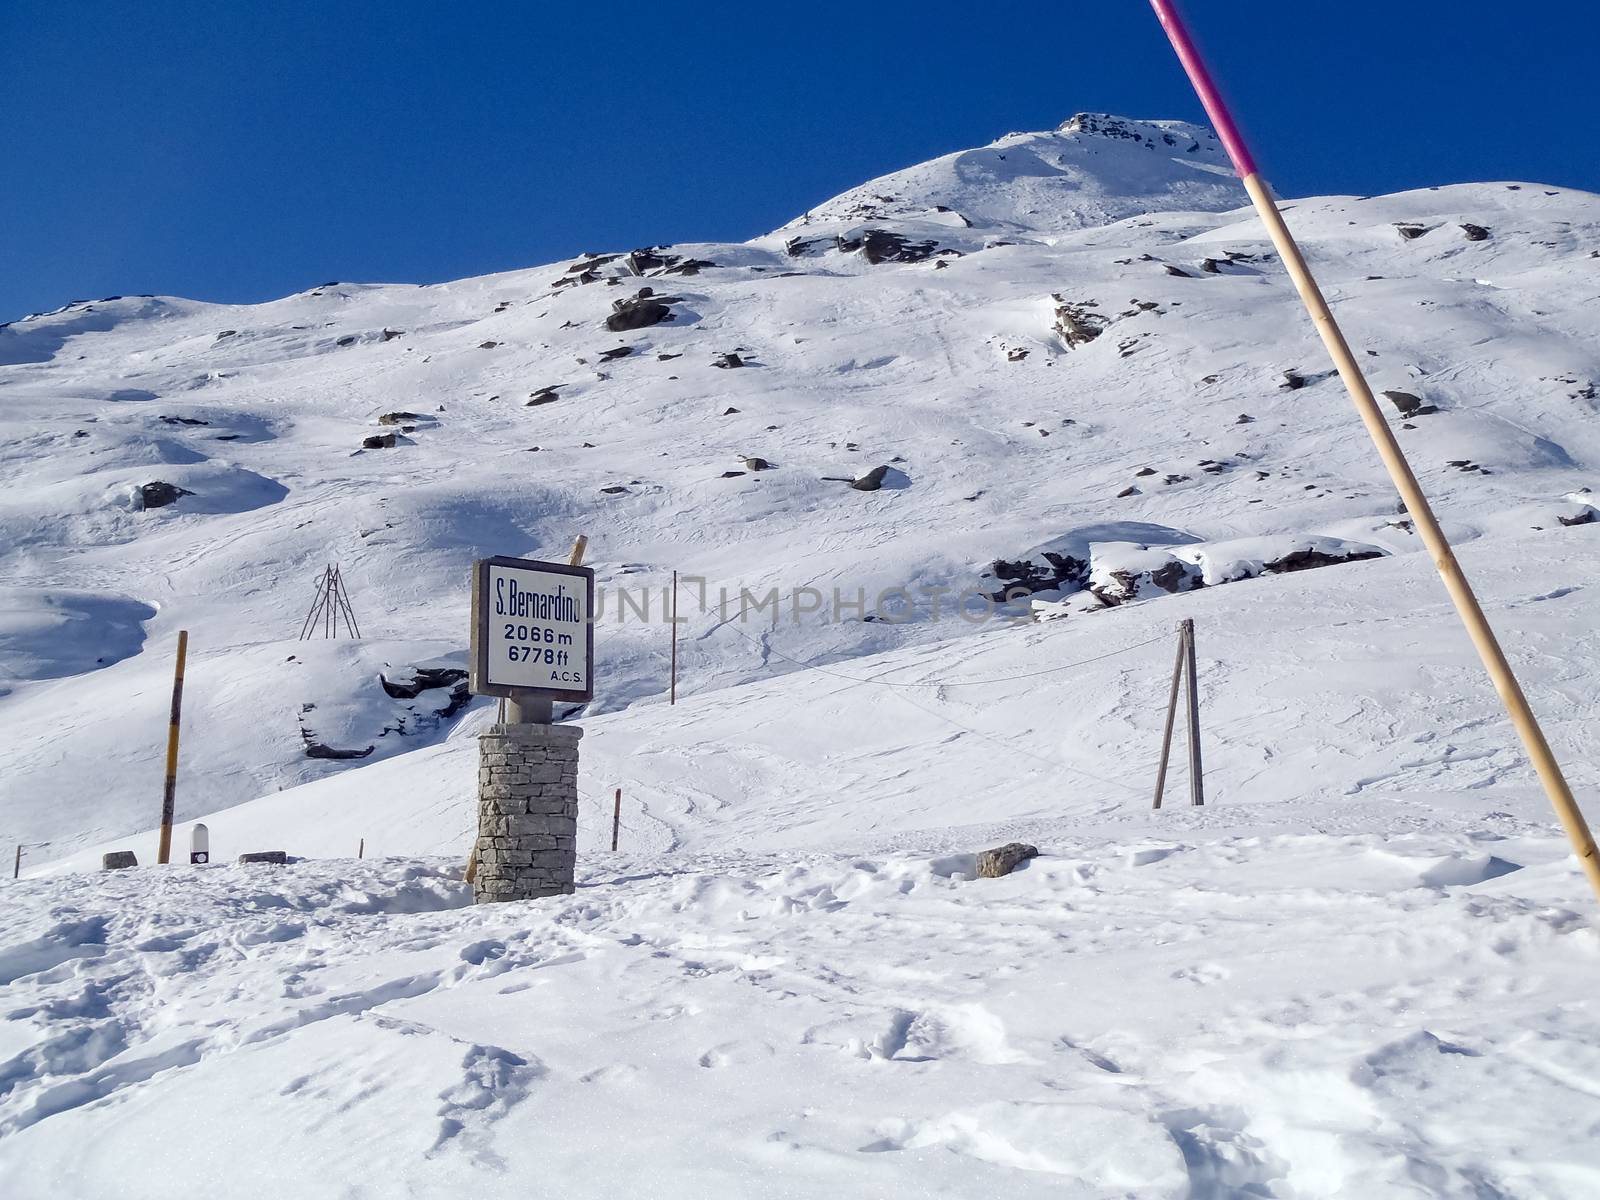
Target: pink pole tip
x=1195, y=67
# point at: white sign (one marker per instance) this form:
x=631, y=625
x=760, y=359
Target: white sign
x=532, y=633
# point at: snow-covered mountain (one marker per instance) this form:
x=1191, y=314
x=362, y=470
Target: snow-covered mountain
x=1092, y=170
x=1040, y=371
x=1066, y=365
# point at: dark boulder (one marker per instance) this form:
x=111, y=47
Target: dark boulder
x=400, y=418
x=1475, y=233
x=1048, y=572
x=315, y=749
x=1308, y=559
x=1408, y=405
x=648, y=259
x=639, y=311
x=420, y=679
x=545, y=395
x=871, y=481
x=159, y=494
x=881, y=246
x=378, y=441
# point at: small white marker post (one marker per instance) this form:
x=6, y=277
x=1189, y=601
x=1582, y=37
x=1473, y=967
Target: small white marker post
x=532, y=644
x=199, y=845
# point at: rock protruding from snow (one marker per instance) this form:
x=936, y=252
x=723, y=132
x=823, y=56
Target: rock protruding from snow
x=1120, y=572
x=1075, y=324
x=1002, y=860
x=159, y=494
x=1276, y=554
x=871, y=481
x=639, y=311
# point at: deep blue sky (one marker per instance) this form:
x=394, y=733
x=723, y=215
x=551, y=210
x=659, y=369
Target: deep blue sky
x=240, y=150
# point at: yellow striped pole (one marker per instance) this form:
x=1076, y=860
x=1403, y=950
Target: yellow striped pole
x=1388, y=447
x=169, y=794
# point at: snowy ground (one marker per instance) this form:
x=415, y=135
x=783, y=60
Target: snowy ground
x=1364, y=969
x=1193, y=1014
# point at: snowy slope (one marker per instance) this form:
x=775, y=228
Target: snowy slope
x=1365, y=968
x=950, y=370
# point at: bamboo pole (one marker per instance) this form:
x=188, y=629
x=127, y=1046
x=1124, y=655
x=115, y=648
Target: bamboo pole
x=672, y=696
x=1172, y=713
x=170, y=790
x=1394, y=459
x=616, y=818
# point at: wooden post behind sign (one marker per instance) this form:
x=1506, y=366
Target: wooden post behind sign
x=616, y=818
x=170, y=791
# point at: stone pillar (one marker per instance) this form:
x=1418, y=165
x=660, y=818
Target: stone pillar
x=527, y=811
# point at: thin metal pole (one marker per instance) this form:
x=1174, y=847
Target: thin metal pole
x=361, y=849
x=1172, y=712
x=673, y=695
x=316, y=603
x=1197, y=790
x=16, y=867
x=343, y=595
x=170, y=791
x=1394, y=459
x=616, y=818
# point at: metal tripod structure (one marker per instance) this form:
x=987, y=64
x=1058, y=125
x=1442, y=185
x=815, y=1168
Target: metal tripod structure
x=330, y=606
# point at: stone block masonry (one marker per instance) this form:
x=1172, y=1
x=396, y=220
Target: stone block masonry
x=527, y=812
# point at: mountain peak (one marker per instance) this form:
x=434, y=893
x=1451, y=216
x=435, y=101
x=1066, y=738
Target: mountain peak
x=1092, y=169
